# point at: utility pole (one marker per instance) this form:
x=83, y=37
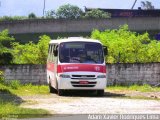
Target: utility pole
x=134, y=4
x=44, y=5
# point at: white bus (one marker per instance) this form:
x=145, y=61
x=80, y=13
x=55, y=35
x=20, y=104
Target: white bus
x=76, y=64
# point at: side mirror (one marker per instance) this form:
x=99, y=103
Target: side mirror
x=105, y=50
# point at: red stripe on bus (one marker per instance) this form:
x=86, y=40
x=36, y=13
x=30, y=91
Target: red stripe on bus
x=81, y=67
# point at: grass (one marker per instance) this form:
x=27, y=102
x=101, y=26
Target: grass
x=10, y=100
x=27, y=89
x=145, y=91
x=140, y=88
x=11, y=108
x=31, y=90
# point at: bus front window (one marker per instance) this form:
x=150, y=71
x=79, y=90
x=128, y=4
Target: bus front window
x=81, y=52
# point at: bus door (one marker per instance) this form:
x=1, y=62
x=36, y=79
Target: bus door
x=55, y=65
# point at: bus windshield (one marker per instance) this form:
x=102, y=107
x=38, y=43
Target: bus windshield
x=81, y=52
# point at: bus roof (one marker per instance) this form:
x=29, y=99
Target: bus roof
x=73, y=39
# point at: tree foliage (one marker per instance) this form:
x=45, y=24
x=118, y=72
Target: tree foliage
x=12, y=18
x=50, y=14
x=32, y=16
x=5, y=52
x=66, y=11
x=146, y=5
x=124, y=46
x=128, y=47
x=96, y=13
x=31, y=53
x=69, y=12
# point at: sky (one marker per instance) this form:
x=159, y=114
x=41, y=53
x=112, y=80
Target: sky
x=25, y=7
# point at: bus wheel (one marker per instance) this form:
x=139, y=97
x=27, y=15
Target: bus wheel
x=100, y=92
x=51, y=89
x=60, y=92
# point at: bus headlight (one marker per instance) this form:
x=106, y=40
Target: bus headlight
x=64, y=76
x=101, y=76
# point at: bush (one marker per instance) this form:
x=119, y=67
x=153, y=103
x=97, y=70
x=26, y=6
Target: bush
x=31, y=53
x=15, y=84
x=2, y=80
x=6, y=58
x=125, y=46
x=5, y=51
x=10, y=18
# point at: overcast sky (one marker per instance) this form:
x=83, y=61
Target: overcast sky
x=24, y=7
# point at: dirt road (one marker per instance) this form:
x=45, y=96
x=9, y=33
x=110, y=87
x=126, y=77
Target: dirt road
x=91, y=104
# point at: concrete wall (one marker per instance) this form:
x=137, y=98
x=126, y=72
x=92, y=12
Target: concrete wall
x=35, y=74
x=117, y=73
x=80, y=25
x=134, y=73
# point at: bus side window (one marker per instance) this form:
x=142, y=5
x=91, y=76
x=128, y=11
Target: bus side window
x=55, y=50
x=52, y=55
x=49, y=54
x=49, y=49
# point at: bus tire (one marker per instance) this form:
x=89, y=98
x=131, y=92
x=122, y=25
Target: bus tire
x=60, y=92
x=51, y=89
x=100, y=92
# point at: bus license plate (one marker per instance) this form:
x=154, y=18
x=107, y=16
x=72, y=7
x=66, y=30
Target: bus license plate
x=83, y=82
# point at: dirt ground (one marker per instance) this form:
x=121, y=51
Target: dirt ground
x=117, y=102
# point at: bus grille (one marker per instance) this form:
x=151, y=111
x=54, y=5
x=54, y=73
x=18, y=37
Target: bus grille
x=78, y=84
x=83, y=77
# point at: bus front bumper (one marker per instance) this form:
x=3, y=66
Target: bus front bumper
x=70, y=84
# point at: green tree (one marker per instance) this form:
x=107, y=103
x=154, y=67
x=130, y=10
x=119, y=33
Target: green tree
x=50, y=14
x=25, y=54
x=128, y=47
x=43, y=49
x=31, y=53
x=68, y=12
x=147, y=5
x=5, y=52
x=32, y=16
x=96, y=13
x=153, y=51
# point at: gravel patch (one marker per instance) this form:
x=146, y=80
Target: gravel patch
x=91, y=105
